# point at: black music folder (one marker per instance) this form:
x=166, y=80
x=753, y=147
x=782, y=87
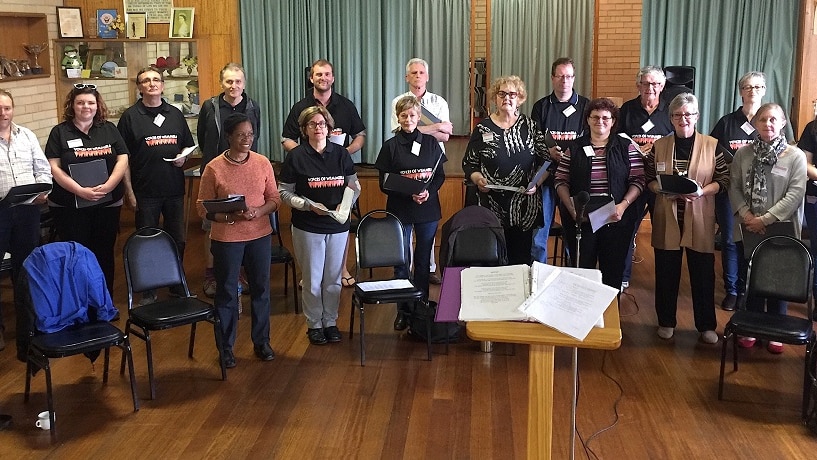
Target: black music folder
x=23, y=194
x=90, y=174
x=225, y=205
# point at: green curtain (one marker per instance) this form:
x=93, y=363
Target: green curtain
x=528, y=35
x=723, y=40
x=367, y=41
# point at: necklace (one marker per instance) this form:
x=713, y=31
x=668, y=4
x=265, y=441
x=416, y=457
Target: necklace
x=233, y=160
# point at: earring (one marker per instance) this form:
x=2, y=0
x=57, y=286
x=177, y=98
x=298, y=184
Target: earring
x=516, y=112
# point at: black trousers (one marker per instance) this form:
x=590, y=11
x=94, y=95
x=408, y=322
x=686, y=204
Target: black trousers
x=701, y=267
x=606, y=248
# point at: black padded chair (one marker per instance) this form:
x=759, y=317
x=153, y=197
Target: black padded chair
x=152, y=262
x=88, y=337
x=281, y=255
x=379, y=242
x=781, y=267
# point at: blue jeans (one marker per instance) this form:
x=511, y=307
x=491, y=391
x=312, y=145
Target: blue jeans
x=171, y=209
x=424, y=243
x=729, y=250
x=811, y=223
x=227, y=259
x=539, y=248
x=644, y=203
x=19, y=235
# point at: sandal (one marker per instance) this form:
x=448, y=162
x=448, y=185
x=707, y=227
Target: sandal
x=348, y=281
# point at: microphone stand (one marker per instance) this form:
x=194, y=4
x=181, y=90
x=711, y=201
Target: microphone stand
x=582, y=202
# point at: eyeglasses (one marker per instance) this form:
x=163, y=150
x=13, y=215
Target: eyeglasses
x=84, y=86
x=755, y=88
x=596, y=118
x=564, y=77
x=502, y=94
x=316, y=124
x=678, y=116
x=654, y=84
x=244, y=135
x=148, y=80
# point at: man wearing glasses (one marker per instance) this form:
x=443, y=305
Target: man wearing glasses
x=645, y=119
x=561, y=115
x=156, y=133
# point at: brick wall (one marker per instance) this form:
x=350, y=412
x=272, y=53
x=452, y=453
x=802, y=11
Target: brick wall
x=617, y=48
x=34, y=104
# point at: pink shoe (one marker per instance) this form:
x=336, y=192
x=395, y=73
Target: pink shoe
x=746, y=342
x=775, y=348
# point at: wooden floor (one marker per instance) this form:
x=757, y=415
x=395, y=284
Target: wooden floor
x=318, y=402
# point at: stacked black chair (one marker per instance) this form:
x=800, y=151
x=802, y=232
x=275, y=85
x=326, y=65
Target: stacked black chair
x=281, y=255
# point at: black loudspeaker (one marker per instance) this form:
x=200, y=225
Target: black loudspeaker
x=680, y=79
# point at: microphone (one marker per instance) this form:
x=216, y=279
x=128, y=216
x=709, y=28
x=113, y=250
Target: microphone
x=579, y=202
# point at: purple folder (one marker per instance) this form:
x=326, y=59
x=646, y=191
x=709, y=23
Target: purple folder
x=448, y=308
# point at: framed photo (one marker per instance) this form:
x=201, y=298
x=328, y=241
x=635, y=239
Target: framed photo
x=95, y=60
x=69, y=20
x=136, y=25
x=181, y=23
x=104, y=23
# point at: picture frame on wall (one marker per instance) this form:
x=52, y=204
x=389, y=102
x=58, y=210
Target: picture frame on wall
x=136, y=25
x=181, y=22
x=69, y=22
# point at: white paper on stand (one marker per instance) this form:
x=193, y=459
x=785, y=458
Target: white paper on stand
x=569, y=303
x=541, y=272
x=494, y=293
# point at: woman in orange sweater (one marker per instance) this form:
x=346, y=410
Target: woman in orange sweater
x=243, y=235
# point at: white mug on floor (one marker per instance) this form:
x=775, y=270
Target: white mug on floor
x=43, y=420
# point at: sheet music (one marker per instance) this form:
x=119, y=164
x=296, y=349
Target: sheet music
x=570, y=303
x=602, y=216
x=540, y=274
x=494, y=293
x=385, y=285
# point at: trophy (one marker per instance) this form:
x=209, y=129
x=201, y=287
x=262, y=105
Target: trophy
x=35, y=51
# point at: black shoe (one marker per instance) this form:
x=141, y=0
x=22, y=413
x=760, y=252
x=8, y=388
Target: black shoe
x=729, y=302
x=401, y=322
x=5, y=421
x=264, y=352
x=229, y=358
x=316, y=336
x=332, y=334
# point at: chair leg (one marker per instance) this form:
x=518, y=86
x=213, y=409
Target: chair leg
x=50, y=399
x=219, y=346
x=352, y=319
x=734, y=352
x=107, y=361
x=149, y=349
x=726, y=338
x=29, y=370
x=192, y=340
x=362, y=342
x=428, y=328
x=122, y=362
x=295, y=289
x=807, y=372
x=126, y=350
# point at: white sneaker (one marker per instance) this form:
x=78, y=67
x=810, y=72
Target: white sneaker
x=624, y=285
x=709, y=337
x=666, y=333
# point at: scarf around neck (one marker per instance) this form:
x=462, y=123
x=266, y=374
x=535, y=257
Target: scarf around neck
x=766, y=153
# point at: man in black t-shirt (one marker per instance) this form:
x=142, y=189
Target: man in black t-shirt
x=156, y=133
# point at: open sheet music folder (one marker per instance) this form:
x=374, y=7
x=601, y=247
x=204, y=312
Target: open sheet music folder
x=569, y=300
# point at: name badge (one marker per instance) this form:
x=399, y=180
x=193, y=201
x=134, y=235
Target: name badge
x=779, y=170
x=159, y=120
x=415, y=148
x=747, y=128
x=570, y=110
x=588, y=150
x=487, y=137
x=74, y=143
x=661, y=167
x=647, y=126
